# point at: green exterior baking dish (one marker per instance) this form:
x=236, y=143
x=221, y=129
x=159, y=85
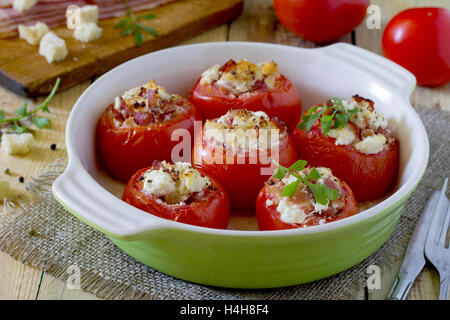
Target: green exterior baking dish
x=235, y=258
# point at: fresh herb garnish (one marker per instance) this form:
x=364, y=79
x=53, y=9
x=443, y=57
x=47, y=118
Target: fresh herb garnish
x=322, y=194
x=131, y=25
x=25, y=117
x=333, y=111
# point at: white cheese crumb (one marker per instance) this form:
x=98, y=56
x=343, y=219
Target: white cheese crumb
x=343, y=136
x=371, y=144
x=117, y=103
x=269, y=202
x=52, y=47
x=33, y=34
x=5, y=190
x=16, y=144
x=87, y=32
x=23, y=5
x=210, y=75
x=89, y=14
x=290, y=212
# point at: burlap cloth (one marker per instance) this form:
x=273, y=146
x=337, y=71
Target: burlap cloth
x=60, y=240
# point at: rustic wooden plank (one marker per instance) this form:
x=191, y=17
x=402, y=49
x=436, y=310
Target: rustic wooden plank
x=425, y=286
x=25, y=72
x=17, y=280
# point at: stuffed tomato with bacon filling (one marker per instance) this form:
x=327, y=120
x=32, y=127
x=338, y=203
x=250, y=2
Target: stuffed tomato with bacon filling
x=300, y=196
x=242, y=84
x=137, y=128
x=180, y=193
x=353, y=140
x=238, y=148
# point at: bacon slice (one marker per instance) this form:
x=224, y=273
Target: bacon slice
x=53, y=12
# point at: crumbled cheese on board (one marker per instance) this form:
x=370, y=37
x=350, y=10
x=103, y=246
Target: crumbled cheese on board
x=52, y=47
x=33, y=34
x=87, y=32
x=17, y=144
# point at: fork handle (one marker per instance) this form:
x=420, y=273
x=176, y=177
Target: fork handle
x=401, y=287
x=443, y=290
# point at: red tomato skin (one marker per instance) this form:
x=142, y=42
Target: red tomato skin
x=123, y=151
x=419, y=40
x=242, y=181
x=370, y=176
x=214, y=213
x=284, y=102
x=270, y=219
x=321, y=20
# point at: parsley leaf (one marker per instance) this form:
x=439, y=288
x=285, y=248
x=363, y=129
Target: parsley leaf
x=131, y=25
x=333, y=115
x=322, y=194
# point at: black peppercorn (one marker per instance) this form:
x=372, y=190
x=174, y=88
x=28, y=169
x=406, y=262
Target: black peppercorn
x=53, y=146
x=21, y=179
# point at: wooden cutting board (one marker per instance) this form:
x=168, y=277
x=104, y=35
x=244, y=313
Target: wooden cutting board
x=25, y=72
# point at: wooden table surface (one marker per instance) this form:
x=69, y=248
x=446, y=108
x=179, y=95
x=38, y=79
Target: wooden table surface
x=258, y=23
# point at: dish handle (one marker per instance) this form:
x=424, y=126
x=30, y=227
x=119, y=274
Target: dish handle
x=83, y=197
x=394, y=76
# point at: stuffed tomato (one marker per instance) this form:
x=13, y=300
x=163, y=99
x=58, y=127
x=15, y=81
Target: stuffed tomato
x=237, y=85
x=354, y=141
x=137, y=128
x=180, y=193
x=302, y=196
x=238, y=148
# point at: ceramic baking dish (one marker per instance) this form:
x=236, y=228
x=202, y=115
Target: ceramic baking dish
x=235, y=258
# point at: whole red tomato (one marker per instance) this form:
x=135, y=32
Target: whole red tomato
x=269, y=218
x=212, y=210
x=124, y=150
x=240, y=176
x=419, y=40
x=283, y=101
x=321, y=20
x=369, y=175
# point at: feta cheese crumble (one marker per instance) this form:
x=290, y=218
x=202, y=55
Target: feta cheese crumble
x=33, y=34
x=17, y=144
x=175, y=182
x=87, y=32
x=241, y=76
x=52, y=47
x=371, y=144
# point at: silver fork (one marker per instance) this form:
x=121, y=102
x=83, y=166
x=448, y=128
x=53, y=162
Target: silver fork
x=435, y=249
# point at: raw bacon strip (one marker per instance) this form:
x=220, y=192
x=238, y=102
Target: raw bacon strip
x=53, y=12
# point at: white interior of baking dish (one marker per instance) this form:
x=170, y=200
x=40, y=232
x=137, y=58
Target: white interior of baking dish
x=338, y=70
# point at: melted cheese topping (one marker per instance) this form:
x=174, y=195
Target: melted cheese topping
x=367, y=120
x=242, y=131
x=241, y=77
x=175, y=182
x=137, y=98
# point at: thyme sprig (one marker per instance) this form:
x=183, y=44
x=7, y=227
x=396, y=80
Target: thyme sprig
x=26, y=117
x=322, y=194
x=332, y=111
x=131, y=25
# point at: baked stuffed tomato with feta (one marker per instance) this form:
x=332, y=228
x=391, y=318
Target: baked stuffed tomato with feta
x=353, y=140
x=238, y=148
x=137, y=128
x=301, y=196
x=242, y=84
x=180, y=193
